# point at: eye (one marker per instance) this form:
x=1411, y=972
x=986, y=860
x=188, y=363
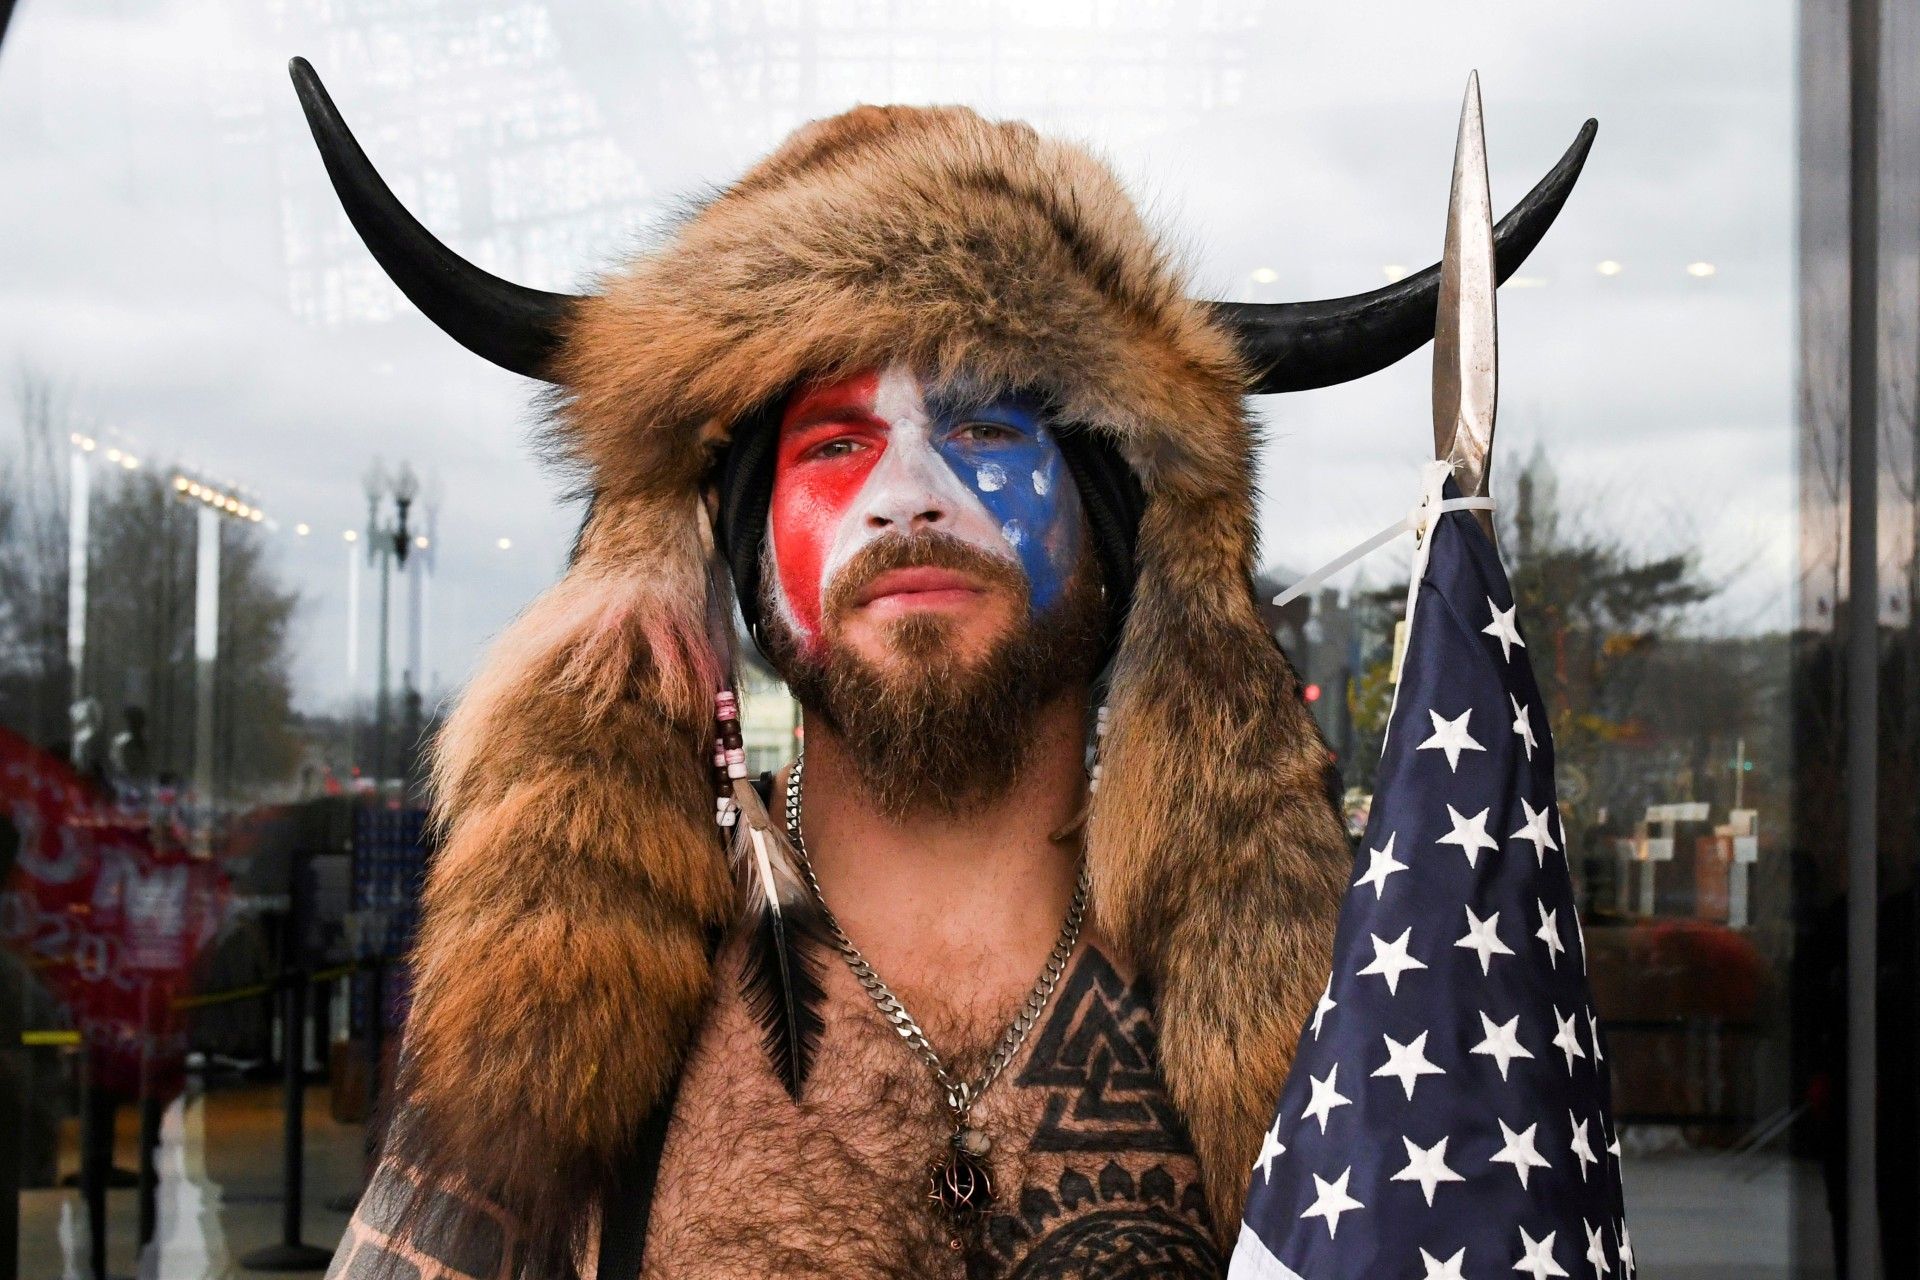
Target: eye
x=987, y=433
x=838, y=447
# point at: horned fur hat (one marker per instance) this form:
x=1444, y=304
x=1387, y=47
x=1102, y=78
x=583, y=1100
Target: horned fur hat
x=563, y=959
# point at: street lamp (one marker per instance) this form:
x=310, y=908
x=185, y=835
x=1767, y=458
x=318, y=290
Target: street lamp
x=388, y=541
x=216, y=503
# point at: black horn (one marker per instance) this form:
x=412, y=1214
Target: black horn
x=1297, y=346
x=515, y=327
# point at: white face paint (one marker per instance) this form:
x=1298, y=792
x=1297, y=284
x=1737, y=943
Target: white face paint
x=912, y=487
x=867, y=457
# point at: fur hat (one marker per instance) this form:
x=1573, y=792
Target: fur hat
x=563, y=957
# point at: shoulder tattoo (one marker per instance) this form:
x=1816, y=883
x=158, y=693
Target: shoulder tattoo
x=404, y=1231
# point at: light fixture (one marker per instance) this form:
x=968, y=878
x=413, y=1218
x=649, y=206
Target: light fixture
x=1394, y=272
x=1701, y=270
x=505, y=544
x=303, y=529
x=1608, y=267
x=351, y=535
x=1265, y=275
x=421, y=542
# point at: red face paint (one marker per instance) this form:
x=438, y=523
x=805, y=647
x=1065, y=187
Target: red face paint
x=829, y=442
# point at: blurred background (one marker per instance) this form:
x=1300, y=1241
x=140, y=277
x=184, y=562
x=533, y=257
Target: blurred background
x=258, y=518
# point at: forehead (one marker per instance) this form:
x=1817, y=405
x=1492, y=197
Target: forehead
x=889, y=394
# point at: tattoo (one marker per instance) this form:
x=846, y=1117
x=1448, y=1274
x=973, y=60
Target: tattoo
x=1098, y=1057
x=1140, y=1228
x=402, y=1230
x=1126, y=1201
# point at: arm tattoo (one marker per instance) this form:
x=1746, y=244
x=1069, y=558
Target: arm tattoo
x=404, y=1231
x=1126, y=1201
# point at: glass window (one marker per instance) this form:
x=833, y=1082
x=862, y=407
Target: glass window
x=258, y=518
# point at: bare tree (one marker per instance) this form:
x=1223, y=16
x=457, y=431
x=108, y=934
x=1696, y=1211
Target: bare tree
x=139, y=624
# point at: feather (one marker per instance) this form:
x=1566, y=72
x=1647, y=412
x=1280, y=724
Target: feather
x=780, y=975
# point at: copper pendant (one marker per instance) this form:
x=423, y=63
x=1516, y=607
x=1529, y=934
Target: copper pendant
x=962, y=1184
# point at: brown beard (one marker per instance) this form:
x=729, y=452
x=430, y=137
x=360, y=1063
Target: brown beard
x=932, y=732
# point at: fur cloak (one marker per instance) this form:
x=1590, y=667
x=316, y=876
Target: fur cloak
x=562, y=962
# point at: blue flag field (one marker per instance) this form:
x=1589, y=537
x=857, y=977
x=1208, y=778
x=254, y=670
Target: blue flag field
x=1449, y=1115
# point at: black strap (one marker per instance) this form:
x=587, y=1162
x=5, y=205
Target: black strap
x=629, y=1203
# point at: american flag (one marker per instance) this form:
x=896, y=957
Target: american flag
x=1449, y=1116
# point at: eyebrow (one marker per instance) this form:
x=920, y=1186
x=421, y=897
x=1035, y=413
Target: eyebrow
x=817, y=405
x=954, y=401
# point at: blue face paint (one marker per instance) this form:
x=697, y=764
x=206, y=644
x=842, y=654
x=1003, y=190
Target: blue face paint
x=1005, y=452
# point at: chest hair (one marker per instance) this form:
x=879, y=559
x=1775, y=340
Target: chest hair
x=1093, y=1175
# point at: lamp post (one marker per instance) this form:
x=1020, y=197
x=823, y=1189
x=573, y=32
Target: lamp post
x=352, y=537
x=388, y=541
x=216, y=503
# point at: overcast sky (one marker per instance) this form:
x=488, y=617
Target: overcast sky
x=170, y=252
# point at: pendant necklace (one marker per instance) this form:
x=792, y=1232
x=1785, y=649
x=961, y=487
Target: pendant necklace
x=960, y=1182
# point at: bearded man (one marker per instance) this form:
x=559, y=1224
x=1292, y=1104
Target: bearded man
x=920, y=396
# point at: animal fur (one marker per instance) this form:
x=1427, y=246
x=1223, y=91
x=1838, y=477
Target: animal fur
x=562, y=961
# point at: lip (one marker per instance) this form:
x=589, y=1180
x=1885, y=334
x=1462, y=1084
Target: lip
x=920, y=586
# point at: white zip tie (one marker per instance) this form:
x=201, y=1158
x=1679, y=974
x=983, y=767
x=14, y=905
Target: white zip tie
x=1418, y=520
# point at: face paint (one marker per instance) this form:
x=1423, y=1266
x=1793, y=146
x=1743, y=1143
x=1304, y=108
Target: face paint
x=870, y=455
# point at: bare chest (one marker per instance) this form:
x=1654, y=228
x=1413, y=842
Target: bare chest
x=1093, y=1176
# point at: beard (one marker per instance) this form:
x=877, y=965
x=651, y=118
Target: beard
x=931, y=732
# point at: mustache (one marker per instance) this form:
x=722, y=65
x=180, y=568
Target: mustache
x=923, y=550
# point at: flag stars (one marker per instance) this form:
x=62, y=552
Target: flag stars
x=1523, y=725
x=1271, y=1149
x=1567, y=1038
x=1503, y=629
x=1331, y=1200
x=1469, y=835
x=1549, y=933
x=1325, y=1098
x=1381, y=864
x=1407, y=1063
x=1535, y=831
x=1593, y=1031
x=1428, y=1167
x=1438, y=1270
x=1519, y=1152
x=1581, y=1146
x=1327, y=1004
x=1502, y=1042
x=1451, y=737
x=1626, y=1249
x=1390, y=960
x=1538, y=1260
x=1483, y=940
x=1596, y=1248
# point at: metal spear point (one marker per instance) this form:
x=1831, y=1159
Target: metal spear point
x=1466, y=361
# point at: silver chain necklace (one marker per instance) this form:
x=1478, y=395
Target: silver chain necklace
x=960, y=1183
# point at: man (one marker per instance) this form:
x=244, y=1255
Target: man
x=920, y=396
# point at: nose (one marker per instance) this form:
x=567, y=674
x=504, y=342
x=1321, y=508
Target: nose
x=906, y=520
x=909, y=490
